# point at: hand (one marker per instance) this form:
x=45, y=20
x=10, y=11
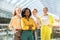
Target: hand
x=14, y=30
x=30, y=27
x=19, y=28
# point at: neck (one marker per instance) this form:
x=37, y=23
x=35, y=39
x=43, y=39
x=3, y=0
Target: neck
x=27, y=17
x=17, y=16
x=34, y=15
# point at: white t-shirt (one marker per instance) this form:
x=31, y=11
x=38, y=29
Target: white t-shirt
x=45, y=20
x=35, y=19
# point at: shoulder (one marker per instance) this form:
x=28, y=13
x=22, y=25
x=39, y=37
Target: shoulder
x=50, y=16
x=40, y=17
x=23, y=18
x=31, y=19
x=13, y=18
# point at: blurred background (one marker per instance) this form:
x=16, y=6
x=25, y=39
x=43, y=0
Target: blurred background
x=7, y=7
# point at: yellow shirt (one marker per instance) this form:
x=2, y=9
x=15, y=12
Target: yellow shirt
x=25, y=23
x=15, y=23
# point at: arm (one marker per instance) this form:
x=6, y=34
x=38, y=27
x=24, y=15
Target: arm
x=11, y=24
x=38, y=23
x=34, y=25
x=52, y=23
x=24, y=27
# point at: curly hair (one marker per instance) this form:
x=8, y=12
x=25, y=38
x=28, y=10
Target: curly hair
x=23, y=12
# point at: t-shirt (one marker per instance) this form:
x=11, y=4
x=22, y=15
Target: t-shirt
x=45, y=20
x=35, y=19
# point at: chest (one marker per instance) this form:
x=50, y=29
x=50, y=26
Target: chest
x=28, y=22
x=45, y=18
x=17, y=21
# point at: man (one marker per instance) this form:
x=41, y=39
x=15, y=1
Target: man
x=47, y=22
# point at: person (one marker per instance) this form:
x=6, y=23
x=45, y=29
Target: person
x=15, y=24
x=47, y=22
x=28, y=25
x=37, y=21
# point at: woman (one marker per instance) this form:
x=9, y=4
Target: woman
x=28, y=25
x=37, y=21
x=47, y=21
x=15, y=24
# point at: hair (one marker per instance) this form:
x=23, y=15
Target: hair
x=45, y=8
x=23, y=12
x=14, y=12
x=35, y=9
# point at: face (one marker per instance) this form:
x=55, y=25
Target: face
x=45, y=10
x=27, y=13
x=18, y=11
x=34, y=12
